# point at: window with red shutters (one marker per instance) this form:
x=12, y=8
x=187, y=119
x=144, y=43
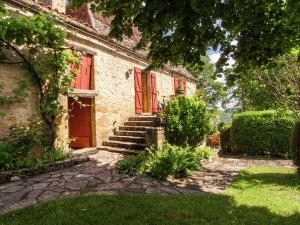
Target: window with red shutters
x=84, y=77
x=180, y=83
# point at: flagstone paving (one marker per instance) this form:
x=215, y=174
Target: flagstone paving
x=99, y=176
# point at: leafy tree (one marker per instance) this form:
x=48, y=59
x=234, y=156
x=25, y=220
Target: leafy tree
x=180, y=31
x=35, y=43
x=267, y=87
x=209, y=89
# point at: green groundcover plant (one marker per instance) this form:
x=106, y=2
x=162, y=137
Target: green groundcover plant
x=262, y=132
x=27, y=146
x=187, y=121
x=169, y=161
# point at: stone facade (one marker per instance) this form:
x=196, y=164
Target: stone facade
x=114, y=94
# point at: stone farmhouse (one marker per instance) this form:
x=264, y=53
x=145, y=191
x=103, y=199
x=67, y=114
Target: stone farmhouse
x=123, y=99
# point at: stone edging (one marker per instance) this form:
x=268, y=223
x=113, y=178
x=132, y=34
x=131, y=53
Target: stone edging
x=49, y=167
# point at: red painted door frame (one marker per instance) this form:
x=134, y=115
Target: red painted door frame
x=154, y=93
x=80, y=128
x=138, y=90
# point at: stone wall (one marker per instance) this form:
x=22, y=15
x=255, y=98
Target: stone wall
x=16, y=112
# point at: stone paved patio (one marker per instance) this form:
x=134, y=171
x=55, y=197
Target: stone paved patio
x=99, y=176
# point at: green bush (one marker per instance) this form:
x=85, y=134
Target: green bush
x=187, y=121
x=169, y=161
x=225, y=138
x=295, y=144
x=17, y=151
x=261, y=132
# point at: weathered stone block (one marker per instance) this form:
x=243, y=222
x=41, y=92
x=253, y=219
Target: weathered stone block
x=155, y=137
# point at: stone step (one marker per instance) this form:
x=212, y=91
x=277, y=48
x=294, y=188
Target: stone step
x=122, y=144
x=139, y=123
x=130, y=133
x=142, y=118
x=127, y=139
x=132, y=128
x=124, y=151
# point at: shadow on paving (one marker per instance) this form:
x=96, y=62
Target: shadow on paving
x=144, y=209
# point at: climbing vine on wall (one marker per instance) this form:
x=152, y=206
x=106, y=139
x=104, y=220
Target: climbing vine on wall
x=35, y=43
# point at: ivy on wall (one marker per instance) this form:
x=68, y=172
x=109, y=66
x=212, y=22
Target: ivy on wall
x=35, y=43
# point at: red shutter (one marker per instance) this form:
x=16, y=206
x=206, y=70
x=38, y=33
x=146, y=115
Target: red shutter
x=176, y=84
x=154, y=93
x=184, y=86
x=138, y=90
x=83, y=79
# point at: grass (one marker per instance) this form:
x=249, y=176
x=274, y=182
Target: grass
x=261, y=195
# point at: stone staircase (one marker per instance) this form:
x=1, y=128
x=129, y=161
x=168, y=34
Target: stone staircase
x=130, y=138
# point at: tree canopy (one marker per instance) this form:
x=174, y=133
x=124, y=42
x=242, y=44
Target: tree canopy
x=180, y=31
x=266, y=88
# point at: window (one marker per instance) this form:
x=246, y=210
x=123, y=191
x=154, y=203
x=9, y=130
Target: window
x=180, y=83
x=84, y=78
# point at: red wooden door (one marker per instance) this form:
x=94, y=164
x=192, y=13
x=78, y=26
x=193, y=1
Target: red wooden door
x=83, y=80
x=80, y=123
x=138, y=90
x=184, y=86
x=154, y=93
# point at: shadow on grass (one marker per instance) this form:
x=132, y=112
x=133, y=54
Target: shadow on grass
x=145, y=209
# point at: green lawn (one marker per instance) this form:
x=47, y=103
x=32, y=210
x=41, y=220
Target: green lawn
x=261, y=195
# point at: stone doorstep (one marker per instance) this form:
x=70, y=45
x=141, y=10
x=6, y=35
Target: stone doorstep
x=49, y=167
x=85, y=151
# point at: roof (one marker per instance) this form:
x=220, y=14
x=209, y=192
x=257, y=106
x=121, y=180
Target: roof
x=97, y=24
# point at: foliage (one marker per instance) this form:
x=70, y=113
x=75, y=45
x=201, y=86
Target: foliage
x=211, y=91
x=25, y=147
x=35, y=43
x=180, y=31
x=169, y=161
x=187, y=121
x=225, y=138
x=18, y=94
x=266, y=88
x=261, y=132
x=295, y=144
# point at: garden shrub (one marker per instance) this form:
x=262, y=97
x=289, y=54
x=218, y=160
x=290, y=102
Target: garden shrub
x=262, y=132
x=169, y=161
x=225, y=138
x=187, y=121
x=17, y=151
x=295, y=144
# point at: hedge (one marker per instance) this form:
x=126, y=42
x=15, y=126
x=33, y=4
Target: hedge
x=295, y=144
x=261, y=132
x=225, y=138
